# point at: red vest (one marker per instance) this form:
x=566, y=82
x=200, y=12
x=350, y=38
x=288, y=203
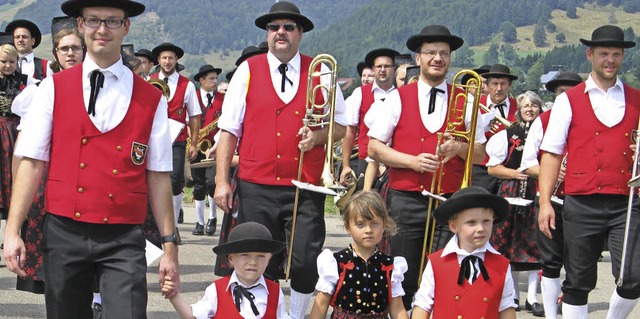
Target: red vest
x=479, y=300
x=365, y=105
x=544, y=119
x=511, y=117
x=269, y=153
x=411, y=137
x=212, y=114
x=177, y=109
x=99, y=177
x=227, y=308
x=599, y=160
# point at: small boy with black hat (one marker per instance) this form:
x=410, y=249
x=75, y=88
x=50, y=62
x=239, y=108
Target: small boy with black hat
x=246, y=293
x=484, y=287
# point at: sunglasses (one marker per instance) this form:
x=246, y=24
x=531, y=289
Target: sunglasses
x=276, y=26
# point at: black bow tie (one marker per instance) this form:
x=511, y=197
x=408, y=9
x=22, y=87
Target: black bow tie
x=432, y=99
x=283, y=70
x=209, y=99
x=469, y=263
x=97, y=80
x=239, y=291
x=166, y=80
x=500, y=108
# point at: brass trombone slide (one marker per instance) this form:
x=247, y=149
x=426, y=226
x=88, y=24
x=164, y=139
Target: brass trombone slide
x=498, y=118
x=316, y=116
x=456, y=112
x=633, y=184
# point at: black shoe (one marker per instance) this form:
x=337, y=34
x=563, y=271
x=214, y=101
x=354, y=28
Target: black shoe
x=211, y=227
x=181, y=217
x=535, y=308
x=97, y=310
x=517, y=302
x=198, y=230
x=178, y=236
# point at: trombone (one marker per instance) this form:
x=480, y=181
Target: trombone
x=497, y=117
x=316, y=116
x=633, y=184
x=456, y=111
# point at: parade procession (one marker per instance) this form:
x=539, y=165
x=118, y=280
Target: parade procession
x=422, y=188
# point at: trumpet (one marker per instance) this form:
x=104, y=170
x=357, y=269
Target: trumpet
x=457, y=108
x=162, y=86
x=497, y=117
x=316, y=116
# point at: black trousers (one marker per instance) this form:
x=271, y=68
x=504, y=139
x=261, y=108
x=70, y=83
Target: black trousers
x=177, y=175
x=551, y=249
x=272, y=206
x=74, y=253
x=588, y=221
x=480, y=177
x=203, y=179
x=409, y=210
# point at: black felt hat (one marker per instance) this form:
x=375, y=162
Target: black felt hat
x=471, y=197
x=608, y=36
x=360, y=67
x=147, y=54
x=434, y=33
x=247, y=53
x=249, y=237
x=284, y=10
x=499, y=71
x=229, y=74
x=73, y=8
x=61, y=23
x=6, y=38
x=373, y=54
x=204, y=70
x=480, y=70
x=564, y=78
x=167, y=46
x=32, y=27
x=264, y=46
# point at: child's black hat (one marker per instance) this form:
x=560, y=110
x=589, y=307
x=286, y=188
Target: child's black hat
x=471, y=197
x=249, y=237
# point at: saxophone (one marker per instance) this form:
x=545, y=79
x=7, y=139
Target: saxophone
x=203, y=143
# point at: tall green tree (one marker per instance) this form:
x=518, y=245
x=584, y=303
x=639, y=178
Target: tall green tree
x=539, y=36
x=492, y=56
x=509, y=33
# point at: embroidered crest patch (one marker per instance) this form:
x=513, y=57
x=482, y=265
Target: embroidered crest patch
x=138, y=153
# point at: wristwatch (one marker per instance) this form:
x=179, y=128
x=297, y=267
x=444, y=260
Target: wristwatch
x=173, y=238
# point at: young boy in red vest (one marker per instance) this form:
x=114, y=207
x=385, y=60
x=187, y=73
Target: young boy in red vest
x=246, y=293
x=484, y=287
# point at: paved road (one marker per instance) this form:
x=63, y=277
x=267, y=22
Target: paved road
x=197, y=261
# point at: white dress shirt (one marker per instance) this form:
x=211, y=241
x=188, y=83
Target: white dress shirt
x=608, y=106
x=235, y=101
x=354, y=102
x=111, y=106
x=190, y=98
x=208, y=306
x=388, y=116
x=27, y=66
x=426, y=293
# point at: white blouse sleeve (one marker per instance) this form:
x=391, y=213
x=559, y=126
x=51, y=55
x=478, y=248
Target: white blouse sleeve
x=208, y=305
x=497, y=148
x=327, y=272
x=397, y=276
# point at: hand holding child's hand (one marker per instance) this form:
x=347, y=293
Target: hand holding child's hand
x=168, y=286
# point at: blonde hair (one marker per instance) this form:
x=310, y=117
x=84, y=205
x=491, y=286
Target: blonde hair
x=9, y=49
x=367, y=205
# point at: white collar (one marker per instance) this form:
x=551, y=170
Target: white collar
x=29, y=57
x=375, y=87
x=422, y=85
x=274, y=63
x=590, y=84
x=234, y=279
x=117, y=69
x=453, y=248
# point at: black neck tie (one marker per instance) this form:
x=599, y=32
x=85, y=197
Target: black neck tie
x=209, y=99
x=283, y=70
x=97, y=80
x=239, y=291
x=166, y=80
x=432, y=99
x=469, y=263
x=500, y=108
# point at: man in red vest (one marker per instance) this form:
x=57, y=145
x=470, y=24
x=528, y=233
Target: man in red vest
x=184, y=108
x=498, y=83
x=551, y=249
x=358, y=104
x=594, y=121
x=26, y=37
x=203, y=184
x=410, y=119
x=108, y=152
x=264, y=108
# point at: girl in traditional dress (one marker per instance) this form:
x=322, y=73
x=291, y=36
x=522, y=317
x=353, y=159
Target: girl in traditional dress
x=515, y=238
x=361, y=281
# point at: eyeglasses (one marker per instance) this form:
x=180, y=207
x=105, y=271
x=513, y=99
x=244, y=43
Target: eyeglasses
x=109, y=23
x=383, y=66
x=432, y=54
x=276, y=26
x=68, y=49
